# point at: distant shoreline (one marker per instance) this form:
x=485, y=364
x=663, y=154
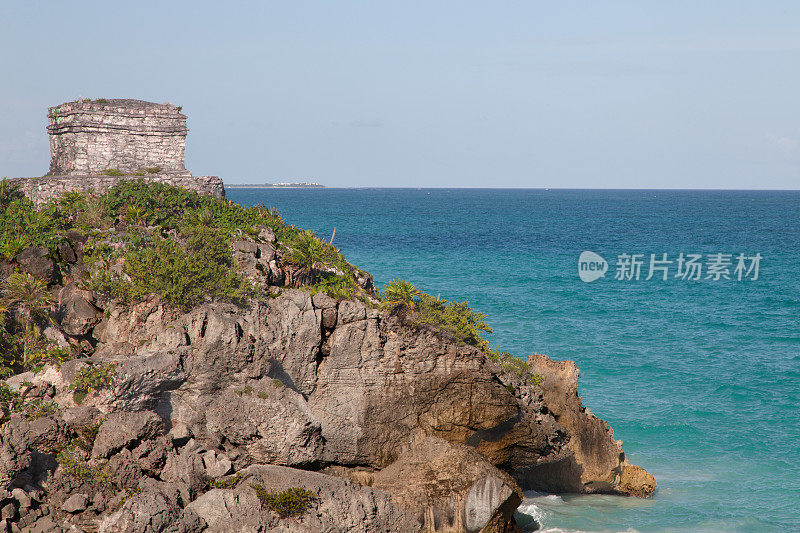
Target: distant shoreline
x=543, y=189
x=276, y=186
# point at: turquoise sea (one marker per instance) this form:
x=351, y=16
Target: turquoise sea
x=700, y=379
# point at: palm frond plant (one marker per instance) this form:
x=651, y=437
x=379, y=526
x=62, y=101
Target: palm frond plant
x=29, y=296
x=202, y=217
x=307, y=251
x=72, y=203
x=400, y=291
x=135, y=215
x=13, y=246
x=9, y=345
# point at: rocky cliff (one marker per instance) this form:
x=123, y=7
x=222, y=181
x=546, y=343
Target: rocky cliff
x=221, y=416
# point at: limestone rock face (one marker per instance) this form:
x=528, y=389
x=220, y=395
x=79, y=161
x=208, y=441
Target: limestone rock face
x=338, y=505
x=76, y=503
x=78, y=314
x=383, y=384
x=156, y=509
x=35, y=260
x=123, y=429
x=597, y=462
x=451, y=487
x=364, y=385
x=430, y=434
x=271, y=424
x=229, y=511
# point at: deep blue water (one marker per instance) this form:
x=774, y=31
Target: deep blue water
x=700, y=379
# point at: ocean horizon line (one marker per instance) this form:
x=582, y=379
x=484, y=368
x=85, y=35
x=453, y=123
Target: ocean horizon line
x=374, y=187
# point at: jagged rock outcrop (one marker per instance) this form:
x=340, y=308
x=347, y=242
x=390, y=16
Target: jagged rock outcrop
x=452, y=487
x=392, y=426
x=596, y=462
x=36, y=260
x=337, y=505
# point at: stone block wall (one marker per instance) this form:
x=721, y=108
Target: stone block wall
x=41, y=190
x=89, y=137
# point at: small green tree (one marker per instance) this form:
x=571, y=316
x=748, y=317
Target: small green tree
x=29, y=296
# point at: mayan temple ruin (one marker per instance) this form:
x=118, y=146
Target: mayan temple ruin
x=95, y=144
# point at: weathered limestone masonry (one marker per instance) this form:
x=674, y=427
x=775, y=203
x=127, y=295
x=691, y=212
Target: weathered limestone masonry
x=43, y=190
x=89, y=137
x=94, y=145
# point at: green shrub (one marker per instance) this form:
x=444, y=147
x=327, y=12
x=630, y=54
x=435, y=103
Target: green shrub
x=183, y=274
x=37, y=409
x=340, y=287
x=9, y=191
x=171, y=208
x=94, y=378
x=12, y=246
x=47, y=355
x=228, y=483
x=74, y=465
x=112, y=172
x=201, y=217
x=329, y=271
x=134, y=214
x=10, y=402
x=72, y=204
x=153, y=170
x=455, y=318
x=516, y=367
x=32, y=301
x=86, y=436
x=291, y=502
x=270, y=216
x=12, y=350
x=306, y=250
x=22, y=225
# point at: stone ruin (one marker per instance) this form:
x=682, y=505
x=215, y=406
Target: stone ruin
x=96, y=144
x=89, y=137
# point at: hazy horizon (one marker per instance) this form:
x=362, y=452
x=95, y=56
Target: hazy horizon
x=618, y=95
x=644, y=189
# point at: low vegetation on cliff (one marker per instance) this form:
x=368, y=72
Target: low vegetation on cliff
x=458, y=321
x=149, y=238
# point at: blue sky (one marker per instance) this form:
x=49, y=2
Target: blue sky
x=441, y=94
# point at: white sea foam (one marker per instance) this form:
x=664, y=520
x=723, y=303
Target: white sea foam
x=550, y=509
